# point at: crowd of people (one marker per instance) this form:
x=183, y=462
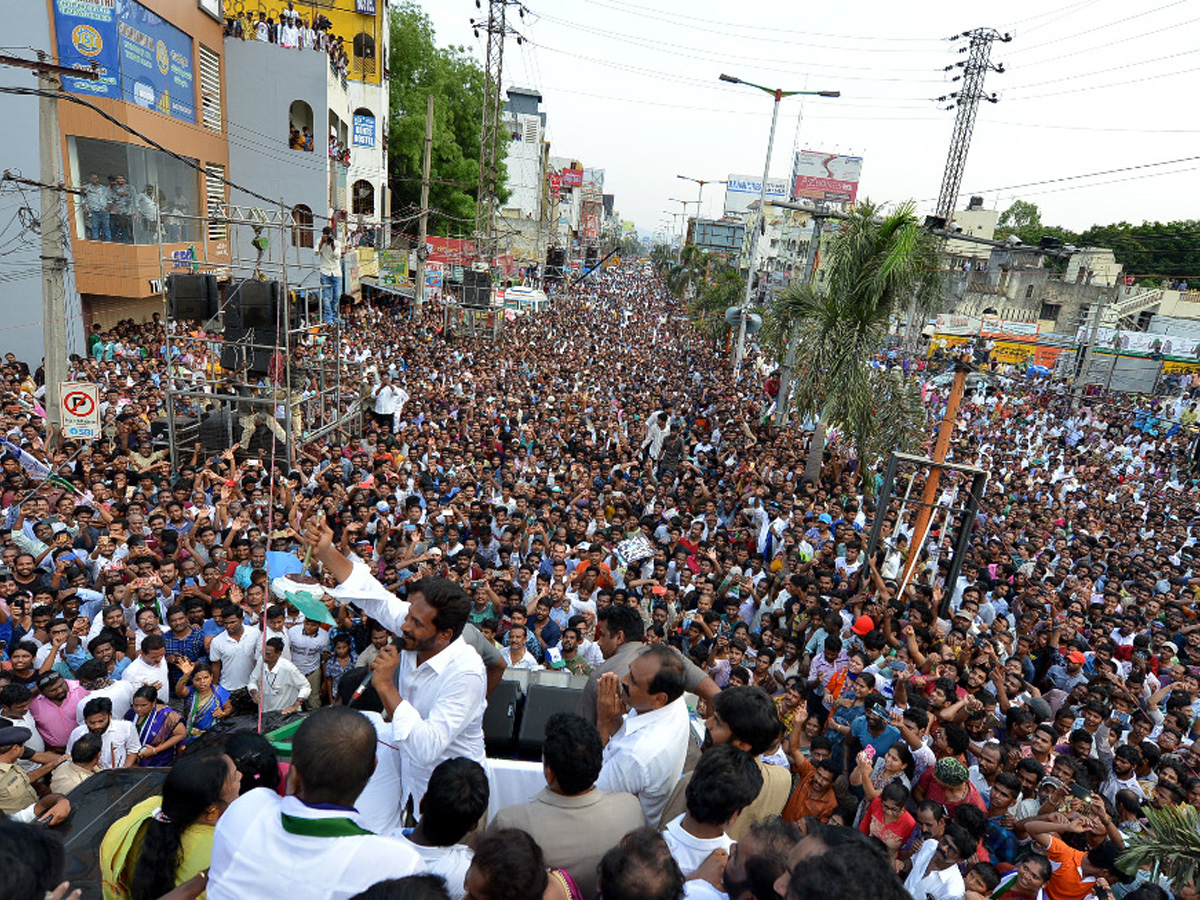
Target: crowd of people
x=290, y=30
x=593, y=493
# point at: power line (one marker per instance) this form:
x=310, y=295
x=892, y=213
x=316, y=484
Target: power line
x=1079, y=34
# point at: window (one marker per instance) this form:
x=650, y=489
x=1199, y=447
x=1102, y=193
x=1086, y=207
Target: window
x=364, y=54
x=363, y=198
x=210, y=88
x=1049, y=312
x=302, y=226
x=214, y=194
x=531, y=131
x=300, y=126
x=1029, y=292
x=133, y=195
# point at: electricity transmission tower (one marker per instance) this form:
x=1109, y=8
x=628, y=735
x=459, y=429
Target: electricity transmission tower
x=966, y=99
x=497, y=29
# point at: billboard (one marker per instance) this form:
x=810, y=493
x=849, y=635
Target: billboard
x=594, y=178
x=143, y=58
x=742, y=190
x=364, y=131
x=572, y=178
x=826, y=176
x=994, y=326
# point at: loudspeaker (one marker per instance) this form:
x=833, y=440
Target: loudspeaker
x=232, y=353
x=477, y=289
x=500, y=717
x=541, y=703
x=258, y=301
x=216, y=427
x=192, y=296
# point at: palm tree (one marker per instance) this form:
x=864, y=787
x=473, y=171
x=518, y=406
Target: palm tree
x=876, y=266
x=1171, y=842
x=720, y=291
x=693, y=266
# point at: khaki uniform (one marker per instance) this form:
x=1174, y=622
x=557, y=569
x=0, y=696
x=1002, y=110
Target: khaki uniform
x=16, y=793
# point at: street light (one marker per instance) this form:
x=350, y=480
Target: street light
x=702, y=182
x=778, y=94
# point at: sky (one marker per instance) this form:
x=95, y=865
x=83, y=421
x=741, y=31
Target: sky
x=1088, y=87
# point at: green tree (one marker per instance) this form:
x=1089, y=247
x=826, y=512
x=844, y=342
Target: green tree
x=419, y=67
x=878, y=266
x=723, y=288
x=1021, y=215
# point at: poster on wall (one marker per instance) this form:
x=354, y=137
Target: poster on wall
x=364, y=131
x=434, y=272
x=87, y=36
x=143, y=58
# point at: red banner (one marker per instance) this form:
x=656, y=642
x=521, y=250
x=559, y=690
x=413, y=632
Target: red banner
x=555, y=184
x=454, y=251
x=572, y=178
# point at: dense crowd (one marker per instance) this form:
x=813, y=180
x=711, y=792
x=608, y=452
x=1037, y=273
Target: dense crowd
x=769, y=712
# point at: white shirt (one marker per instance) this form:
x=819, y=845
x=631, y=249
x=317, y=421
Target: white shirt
x=379, y=803
x=387, y=400
x=450, y=862
x=690, y=851
x=525, y=662
x=307, y=649
x=944, y=885
x=119, y=692
x=252, y=855
x=236, y=657
x=119, y=740
x=282, y=685
x=140, y=672
x=440, y=715
x=645, y=757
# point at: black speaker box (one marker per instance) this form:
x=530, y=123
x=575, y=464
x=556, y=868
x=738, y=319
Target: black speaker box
x=477, y=289
x=192, y=297
x=541, y=703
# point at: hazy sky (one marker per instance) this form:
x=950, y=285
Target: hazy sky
x=1090, y=86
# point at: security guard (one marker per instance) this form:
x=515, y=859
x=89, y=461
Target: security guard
x=18, y=799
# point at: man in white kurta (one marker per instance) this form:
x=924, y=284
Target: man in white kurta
x=644, y=754
x=312, y=844
x=283, y=688
x=440, y=678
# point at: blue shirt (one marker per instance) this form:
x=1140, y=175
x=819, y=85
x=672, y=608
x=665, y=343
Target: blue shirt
x=891, y=734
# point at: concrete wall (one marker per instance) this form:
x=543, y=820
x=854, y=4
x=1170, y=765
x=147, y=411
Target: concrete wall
x=265, y=79
x=20, y=267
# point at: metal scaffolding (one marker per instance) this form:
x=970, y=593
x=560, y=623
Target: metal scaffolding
x=227, y=384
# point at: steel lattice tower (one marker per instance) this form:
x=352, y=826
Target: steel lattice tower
x=966, y=100
x=497, y=30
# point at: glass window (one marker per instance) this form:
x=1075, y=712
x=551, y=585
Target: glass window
x=133, y=195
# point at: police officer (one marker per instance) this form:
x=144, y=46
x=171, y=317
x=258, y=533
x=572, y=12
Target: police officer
x=18, y=799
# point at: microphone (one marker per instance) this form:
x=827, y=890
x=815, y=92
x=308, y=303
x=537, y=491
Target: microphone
x=362, y=688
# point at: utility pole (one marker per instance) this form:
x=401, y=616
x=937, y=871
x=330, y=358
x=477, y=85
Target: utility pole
x=929, y=495
x=1081, y=379
x=423, y=224
x=54, y=259
x=782, y=407
x=497, y=29
x=966, y=99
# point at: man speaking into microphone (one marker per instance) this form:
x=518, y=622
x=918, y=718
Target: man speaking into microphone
x=434, y=690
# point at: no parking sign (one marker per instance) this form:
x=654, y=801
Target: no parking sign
x=80, y=409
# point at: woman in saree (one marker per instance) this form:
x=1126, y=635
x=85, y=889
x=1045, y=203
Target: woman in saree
x=159, y=727
x=207, y=702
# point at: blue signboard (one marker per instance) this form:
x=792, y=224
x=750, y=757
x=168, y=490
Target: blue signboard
x=364, y=131
x=87, y=35
x=156, y=63
x=143, y=59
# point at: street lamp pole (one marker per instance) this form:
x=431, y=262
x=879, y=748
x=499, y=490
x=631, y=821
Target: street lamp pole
x=700, y=196
x=740, y=347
